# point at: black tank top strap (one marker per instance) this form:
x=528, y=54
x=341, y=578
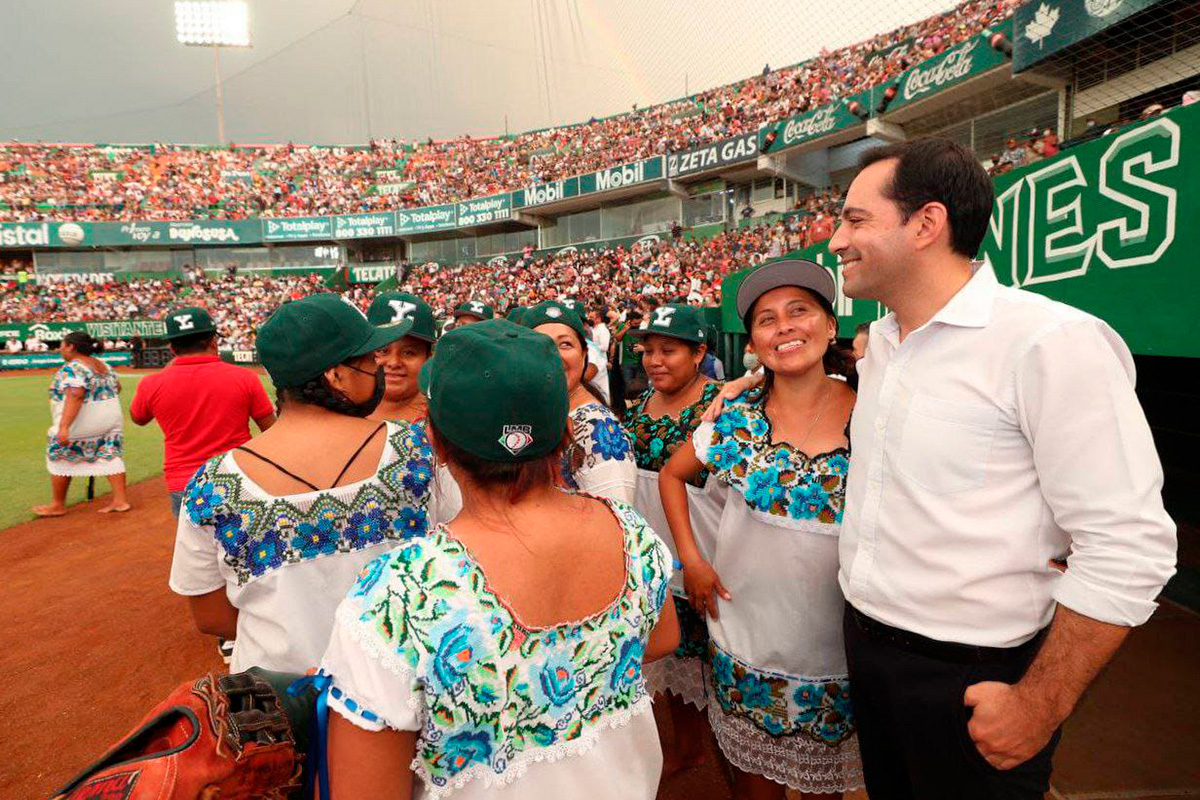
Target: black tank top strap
x=284, y=470
x=296, y=477
x=357, y=452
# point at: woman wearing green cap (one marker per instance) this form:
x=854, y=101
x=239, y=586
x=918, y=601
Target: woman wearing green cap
x=273, y=533
x=402, y=359
x=781, y=706
x=599, y=460
x=501, y=655
x=674, y=341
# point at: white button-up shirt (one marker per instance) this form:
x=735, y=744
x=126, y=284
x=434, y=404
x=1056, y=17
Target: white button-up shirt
x=1000, y=434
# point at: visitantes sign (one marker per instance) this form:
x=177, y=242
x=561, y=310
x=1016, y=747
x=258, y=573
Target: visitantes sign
x=960, y=63
x=1100, y=227
x=105, y=329
x=733, y=150
x=484, y=210
x=1044, y=27
x=430, y=218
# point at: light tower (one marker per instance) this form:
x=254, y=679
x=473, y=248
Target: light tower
x=215, y=24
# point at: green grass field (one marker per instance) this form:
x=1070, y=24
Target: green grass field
x=24, y=482
x=25, y=409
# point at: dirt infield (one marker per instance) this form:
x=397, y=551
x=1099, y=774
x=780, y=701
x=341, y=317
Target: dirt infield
x=92, y=636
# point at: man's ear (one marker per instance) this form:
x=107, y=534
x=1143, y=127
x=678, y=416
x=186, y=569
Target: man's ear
x=932, y=221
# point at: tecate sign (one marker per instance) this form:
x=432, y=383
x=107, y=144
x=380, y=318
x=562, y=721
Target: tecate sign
x=955, y=65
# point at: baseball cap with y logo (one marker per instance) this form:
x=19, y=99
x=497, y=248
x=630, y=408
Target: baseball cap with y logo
x=303, y=338
x=475, y=308
x=497, y=390
x=396, y=306
x=188, y=321
x=677, y=321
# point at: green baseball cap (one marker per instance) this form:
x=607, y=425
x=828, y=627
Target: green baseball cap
x=573, y=304
x=394, y=306
x=676, y=320
x=497, y=390
x=187, y=321
x=305, y=337
x=475, y=308
x=515, y=314
x=549, y=311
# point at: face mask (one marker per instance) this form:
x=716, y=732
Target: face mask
x=368, y=406
x=750, y=360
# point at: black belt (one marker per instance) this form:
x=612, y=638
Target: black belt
x=935, y=649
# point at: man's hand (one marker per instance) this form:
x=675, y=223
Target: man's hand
x=729, y=391
x=1007, y=727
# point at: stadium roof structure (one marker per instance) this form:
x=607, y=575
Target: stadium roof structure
x=351, y=70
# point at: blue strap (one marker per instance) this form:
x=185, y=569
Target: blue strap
x=317, y=756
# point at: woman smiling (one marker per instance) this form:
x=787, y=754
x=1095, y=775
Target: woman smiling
x=781, y=701
x=599, y=460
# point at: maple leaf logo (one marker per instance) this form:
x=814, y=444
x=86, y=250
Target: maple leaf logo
x=1042, y=23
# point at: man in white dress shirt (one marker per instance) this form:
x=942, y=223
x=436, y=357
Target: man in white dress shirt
x=995, y=432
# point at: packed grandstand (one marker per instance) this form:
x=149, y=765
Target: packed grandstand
x=666, y=258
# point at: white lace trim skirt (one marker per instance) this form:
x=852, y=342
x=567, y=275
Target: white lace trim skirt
x=796, y=761
x=683, y=677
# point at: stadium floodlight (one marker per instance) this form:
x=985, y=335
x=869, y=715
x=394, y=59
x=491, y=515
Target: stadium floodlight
x=215, y=24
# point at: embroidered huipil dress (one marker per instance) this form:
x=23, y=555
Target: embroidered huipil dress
x=95, y=440
x=287, y=561
x=780, y=693
x=655, y=440
x=599, y=460
x=500, y=709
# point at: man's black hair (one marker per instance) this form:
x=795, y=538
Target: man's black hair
x=191, y=344
x=936, y=170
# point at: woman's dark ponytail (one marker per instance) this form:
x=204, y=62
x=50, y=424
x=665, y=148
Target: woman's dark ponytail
x=83, y=343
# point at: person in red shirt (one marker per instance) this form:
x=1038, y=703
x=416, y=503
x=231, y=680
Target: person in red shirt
x=203, y=405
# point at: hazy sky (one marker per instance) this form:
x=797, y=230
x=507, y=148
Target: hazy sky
x=341, y=71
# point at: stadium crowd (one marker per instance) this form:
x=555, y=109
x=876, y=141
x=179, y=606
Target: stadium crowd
x=616, y=277
x=89, y=183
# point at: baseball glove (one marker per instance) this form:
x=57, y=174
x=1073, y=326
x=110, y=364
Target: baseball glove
x=220, y=736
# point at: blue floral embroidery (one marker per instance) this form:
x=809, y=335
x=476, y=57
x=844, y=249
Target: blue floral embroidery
x=492, y=691
x=454, y=655
x=368, y=577
x=597, y=437
x=781, y=704
x=612, y=443
x=556, y=679
x=629, y=664
x=86, y=451
x=775, y=478
x=463, y=749
x=257, y=536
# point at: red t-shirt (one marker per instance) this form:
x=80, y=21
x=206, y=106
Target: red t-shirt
x=204, y=407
